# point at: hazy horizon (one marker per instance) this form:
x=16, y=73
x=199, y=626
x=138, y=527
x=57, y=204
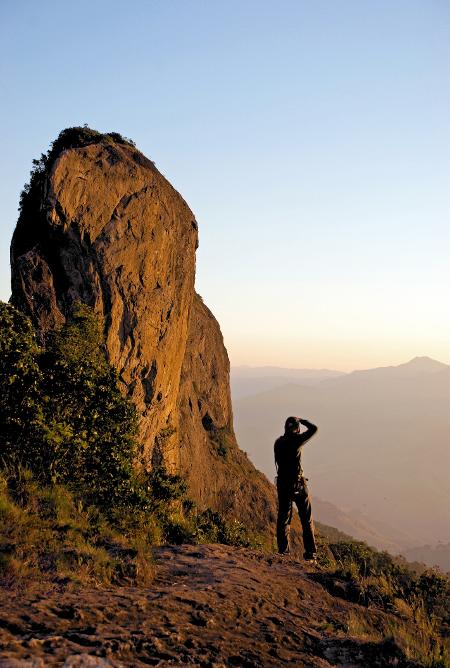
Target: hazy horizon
x=324, y=368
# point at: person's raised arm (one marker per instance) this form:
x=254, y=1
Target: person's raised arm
x=311, y=429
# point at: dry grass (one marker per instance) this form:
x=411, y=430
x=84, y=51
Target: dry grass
x=358, y=626
x=46, y=534
x=398, y=606
x=419, y=641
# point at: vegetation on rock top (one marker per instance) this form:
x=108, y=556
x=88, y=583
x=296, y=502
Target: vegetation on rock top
x=74, y=137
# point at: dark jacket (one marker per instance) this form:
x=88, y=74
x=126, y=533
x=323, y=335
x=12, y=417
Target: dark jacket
x=288, y=452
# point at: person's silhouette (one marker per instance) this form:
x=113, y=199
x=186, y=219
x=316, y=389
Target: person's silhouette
x=292, y=487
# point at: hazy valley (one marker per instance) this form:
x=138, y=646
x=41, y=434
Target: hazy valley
x=380, y=465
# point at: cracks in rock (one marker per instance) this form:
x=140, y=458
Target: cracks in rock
x=60, y=213
x=120, y=209
x=70, y=267
x=113, y=155
x=164, y=326
x=208, y=423
x=131, y=231
x=125, y=200
x=148, y=381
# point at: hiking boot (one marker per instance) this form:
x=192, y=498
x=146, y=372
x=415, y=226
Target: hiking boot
x=310, y=559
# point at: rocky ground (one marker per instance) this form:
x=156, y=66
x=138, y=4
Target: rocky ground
x=208, y=606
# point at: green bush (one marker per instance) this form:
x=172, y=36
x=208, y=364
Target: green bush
x=223, y=441
x=62, y=413
x=434, y=590
x=90, y=427
x=47, y=533
x=208, y=526
x=164, y=488
x=20, y=382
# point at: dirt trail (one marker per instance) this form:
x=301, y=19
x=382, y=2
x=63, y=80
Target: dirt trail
x=209, y=606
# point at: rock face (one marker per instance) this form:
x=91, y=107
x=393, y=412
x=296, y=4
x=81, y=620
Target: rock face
x=107, y=229
x=117, y=236
x=219, y=474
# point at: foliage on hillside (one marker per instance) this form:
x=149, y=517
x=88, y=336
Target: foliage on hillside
x=376, y=578
x=68, y=436
x=62, y=414
x=359, y=573
x=48, y=533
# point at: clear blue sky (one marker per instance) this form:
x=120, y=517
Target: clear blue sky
x=311, y=139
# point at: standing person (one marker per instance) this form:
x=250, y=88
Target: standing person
x=291, y=485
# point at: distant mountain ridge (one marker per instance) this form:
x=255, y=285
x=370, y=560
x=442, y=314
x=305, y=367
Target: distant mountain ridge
x=246, y=380
x=415, y=367
x=245, y=371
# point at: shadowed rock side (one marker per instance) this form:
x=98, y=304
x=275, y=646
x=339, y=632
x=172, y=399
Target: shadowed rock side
x=110, y=231
x=219, y=474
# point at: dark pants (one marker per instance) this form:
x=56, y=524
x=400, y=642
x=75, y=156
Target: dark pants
x=294, y=492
